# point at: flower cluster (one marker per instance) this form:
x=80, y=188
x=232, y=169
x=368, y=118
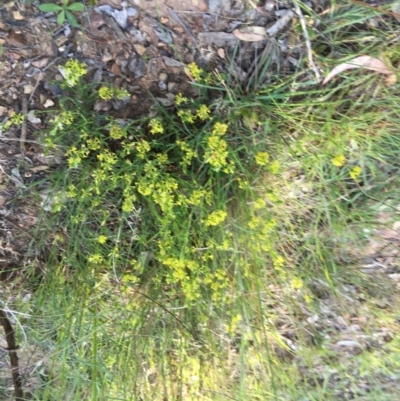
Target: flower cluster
x=156, y=126
x=216, y=153
x=109, y=92
x=72, y=71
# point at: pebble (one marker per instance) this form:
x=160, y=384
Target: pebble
x=171, y=86
x=28, y=89
x=3, y=110
x=140, y=49
x=162, y=85
x=163, y=76
x=115, y=69
x=17, y=16
x=106, y=57
x=48, y=103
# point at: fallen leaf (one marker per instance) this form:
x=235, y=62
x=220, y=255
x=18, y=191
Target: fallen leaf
x=41, y=62
x=368, y=62
x=15, y=39
x=221, y=52
x=251, y=33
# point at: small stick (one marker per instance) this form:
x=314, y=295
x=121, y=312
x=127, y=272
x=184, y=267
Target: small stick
x=12, y=351
x=23, y=128
x=308, y=42
x=39, y=78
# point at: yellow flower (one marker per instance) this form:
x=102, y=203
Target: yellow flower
x=296, y=283
x=95, y=258
x=203, y=113
x=71, y=193
x=179, y=99
x=338, y=160
x=105, y=93
x=116, y=132
x=216, y=152
x=16, y=118
x=102, y=239
x=195, y=71
x=259, y=203
x=186, y=116
x=142, y=148
x=72, y=71
x=307, y=298
x=162, y=158
x=262, y=158
x=355, y=172
x=155, y=125
x=121, y=93
x=271, y=196
x=219, y=129
x=274, y=167
x=215, y=218
x=279, y=262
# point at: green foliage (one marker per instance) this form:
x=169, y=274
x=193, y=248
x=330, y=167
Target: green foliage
x=64, y=11
x=185, y=249
x=176, y=176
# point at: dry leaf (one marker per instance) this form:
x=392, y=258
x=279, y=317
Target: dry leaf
x=368, y=62
x=221, y=52
x=251, y=33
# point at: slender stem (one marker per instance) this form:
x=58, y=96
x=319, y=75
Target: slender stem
x=12, y=350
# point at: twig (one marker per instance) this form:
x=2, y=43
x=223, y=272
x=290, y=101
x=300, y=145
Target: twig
x=187, y=29
x=39, y=78
x=24, y=124
x=110, y=21
x=308, y=42
x=12, y=351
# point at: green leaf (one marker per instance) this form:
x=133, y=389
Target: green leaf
x=71, y=18
x=76, y=7
x=50, y=8
x=65, y=2
x=61, y=18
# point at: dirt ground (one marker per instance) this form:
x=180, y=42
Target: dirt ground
x=142, y=46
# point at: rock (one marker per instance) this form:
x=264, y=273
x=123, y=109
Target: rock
x=102, y=105
x=170, y=62
x=171, y=86
x=48, y=103
x=140, y=49
x=17, y=16
x=28, y=89
x=115, y=69
x=353, y=346
x=162, y=85
x=163, y=76
x=3, y=110
x=106, y=57
x=163, y=35
x=32, y=118
x=97, y=76
x=219, y=39
x=136, y=66
x=121, y=103
x=164, y=101
x=138, y=35
x=120, y=16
